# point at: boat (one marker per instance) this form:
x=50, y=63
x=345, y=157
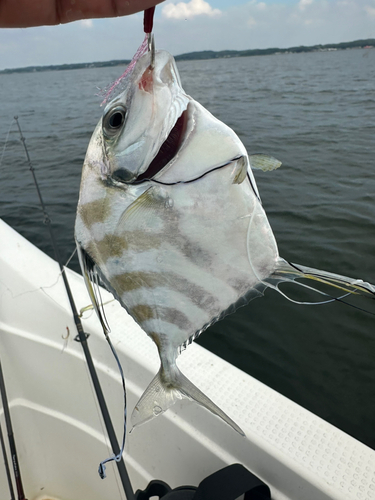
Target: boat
x=59, y=432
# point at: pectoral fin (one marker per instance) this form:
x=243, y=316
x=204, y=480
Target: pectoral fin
x=264, y=162
x=240, y=170
x=142, y=212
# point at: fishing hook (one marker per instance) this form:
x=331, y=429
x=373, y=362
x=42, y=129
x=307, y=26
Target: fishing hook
x=151, y=48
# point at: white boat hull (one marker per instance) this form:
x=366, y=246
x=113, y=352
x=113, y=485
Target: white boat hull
x=59, y=433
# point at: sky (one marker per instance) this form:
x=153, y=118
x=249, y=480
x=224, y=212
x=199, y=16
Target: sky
x=193, y=25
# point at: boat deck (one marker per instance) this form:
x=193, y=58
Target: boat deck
x=59, y=433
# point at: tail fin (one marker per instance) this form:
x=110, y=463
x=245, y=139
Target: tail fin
x=159, y=396
x=286, y=272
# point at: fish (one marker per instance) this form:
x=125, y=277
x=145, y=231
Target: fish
x=170, y=220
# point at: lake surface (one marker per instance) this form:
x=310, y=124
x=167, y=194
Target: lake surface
x=315, y=113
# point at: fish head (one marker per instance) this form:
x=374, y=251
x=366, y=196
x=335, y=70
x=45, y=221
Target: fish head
x=135, y=124
x=153, y=129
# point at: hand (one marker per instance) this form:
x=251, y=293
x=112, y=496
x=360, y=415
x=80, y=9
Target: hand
x=27, y=13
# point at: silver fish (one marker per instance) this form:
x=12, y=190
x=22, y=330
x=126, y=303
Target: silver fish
x=170, y=217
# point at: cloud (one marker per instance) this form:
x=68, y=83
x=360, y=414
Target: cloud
x=302, y=4
x=188, y=10
x=279, y=24
x=256, y=24
x=87, y=23
x=251, y=21
x=370, y=10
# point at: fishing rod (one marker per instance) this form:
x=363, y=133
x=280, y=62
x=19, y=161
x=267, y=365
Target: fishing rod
x=6, y=463
x=82, y=337
x=12, y=444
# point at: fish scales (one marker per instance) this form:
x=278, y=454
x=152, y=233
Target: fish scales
x=170, y=218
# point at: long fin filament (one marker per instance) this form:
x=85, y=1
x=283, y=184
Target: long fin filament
x=288, y=272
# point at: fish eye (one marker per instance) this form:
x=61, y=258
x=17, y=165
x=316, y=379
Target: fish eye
x=113, y=120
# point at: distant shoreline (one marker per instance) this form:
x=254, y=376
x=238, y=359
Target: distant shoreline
x=206, y=54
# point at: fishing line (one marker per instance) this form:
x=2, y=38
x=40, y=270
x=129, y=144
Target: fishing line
x=70, y=258
x=328, y=301
x=6, y=142
x=338, y=279
x=94, y=277
x=100, y=420
x=338, y=299
x=199, y=177
x=288, y=280
x=253, y=188
x=190, y=180
x=117, y=457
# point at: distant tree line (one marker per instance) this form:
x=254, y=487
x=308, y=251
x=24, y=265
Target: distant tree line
x=61, y=67
x=205, y=54
x=210, y=54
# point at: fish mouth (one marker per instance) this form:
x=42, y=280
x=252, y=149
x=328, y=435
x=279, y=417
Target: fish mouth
x=168, y=149
x=166, y=153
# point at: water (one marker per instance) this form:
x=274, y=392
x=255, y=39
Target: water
x=316, y=113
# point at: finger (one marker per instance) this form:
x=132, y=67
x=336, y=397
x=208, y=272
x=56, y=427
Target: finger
x=27, y=13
